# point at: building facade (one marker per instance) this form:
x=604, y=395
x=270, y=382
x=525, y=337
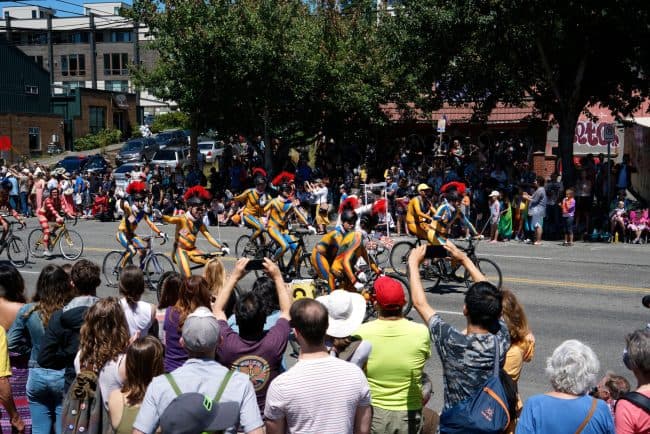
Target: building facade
x=92, y=51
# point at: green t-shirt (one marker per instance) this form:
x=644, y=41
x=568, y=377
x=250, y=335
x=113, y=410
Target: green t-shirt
x=400, y=349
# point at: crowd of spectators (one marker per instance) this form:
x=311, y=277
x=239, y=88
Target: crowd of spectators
x=349, y=377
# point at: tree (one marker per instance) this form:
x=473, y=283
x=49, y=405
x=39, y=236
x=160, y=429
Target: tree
x=563, y=54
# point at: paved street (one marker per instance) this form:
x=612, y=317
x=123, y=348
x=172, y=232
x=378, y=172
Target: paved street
x=591, y=292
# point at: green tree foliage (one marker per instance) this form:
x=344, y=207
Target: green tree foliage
x=167, y=121
x=562, y=54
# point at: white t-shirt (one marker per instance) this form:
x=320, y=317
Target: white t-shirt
x=140, y=318
x=309, y=394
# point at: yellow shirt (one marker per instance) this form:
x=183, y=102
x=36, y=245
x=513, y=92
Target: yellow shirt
x=400, y=349
x=5, y=367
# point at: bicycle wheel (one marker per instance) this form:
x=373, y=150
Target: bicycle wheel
x=35, y=243
x=243, y=247
x=490, y=269
x=17, y=252
x=399, y=255
x=112, y=267
x=71, y=245
x=306, y=270
x=156, y=265
x=407, y=294
x=382, y=254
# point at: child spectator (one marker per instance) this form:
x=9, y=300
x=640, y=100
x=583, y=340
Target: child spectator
x=637, y=224
x=568, y=212
x=495, y=214
x=140, y=315
x=617, y=218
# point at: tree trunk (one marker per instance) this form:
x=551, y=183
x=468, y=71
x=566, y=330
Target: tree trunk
x=194, y=138
x=567, y=127
x=268, y=154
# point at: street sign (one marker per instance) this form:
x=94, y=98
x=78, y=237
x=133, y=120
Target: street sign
x=442, y=123
x=609, y=133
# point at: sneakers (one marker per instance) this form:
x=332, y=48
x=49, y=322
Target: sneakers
x=48, y=253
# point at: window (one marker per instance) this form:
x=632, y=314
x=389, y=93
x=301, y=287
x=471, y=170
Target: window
x=34, y=13
x=71, y=85
x=97, y=119
x=116, y=10
x=31, y=90
x=38, y=60
x=116, y=64
x=37, y=38
x=71, y=37
x=116, y=85
x=122, y=36
x=42, y=14
x=34, y=139
x=73, y=65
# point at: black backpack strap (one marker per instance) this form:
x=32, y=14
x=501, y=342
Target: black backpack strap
x=224, y=383
x=638, y=399
x=169, y=378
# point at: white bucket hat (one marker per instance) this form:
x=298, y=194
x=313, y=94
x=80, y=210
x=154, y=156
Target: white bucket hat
x=495, y=193
x=345, y=310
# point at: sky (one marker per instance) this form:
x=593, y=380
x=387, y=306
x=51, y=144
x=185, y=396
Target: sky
x=64, y=8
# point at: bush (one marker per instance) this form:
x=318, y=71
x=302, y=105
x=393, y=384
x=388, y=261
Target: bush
x=170, y=120
x=99, y=140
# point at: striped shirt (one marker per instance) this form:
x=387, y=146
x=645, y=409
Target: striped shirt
x=318, y=396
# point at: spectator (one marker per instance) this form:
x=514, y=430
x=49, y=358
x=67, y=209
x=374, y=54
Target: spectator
x=629, y=417
x=572, y=369
x=320, y=393
x=6, y=396
x=144, y=361
x=169, y=286
x=610, y=388
x=495, y=215
x=584, y=201
x=61, y=340
x=202, y=374
x=537, y=209
x=194, y=294
x=522, y=342
x=467, y=356
x=568, y=212
x=44, y=387
x=253, y=351
x=395, y=382
x=140, y=315
x=103, y=340
x=346, y=311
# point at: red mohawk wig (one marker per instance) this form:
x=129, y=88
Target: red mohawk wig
x=379, y=207
x=351, y=202
x=136, y=187
x=283, y=177
x=259, y=171
x=197, y=192
x=453, y=185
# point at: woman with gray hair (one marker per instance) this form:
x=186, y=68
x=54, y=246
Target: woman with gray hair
x=572, y=369
x=630, y=416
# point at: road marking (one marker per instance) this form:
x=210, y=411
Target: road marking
x=521, y=257
x=448, y=312
x=575, y=284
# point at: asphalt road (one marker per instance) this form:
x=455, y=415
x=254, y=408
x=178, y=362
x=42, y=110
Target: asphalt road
x=590, y=292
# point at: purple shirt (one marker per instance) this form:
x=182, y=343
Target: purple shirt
x=175, y=355
x=260, y=360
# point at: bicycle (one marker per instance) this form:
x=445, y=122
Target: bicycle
x=245, y=248
x=268, y=250
x=153, y=264
x=70, y=242
x=441, y=269
x=16, y=250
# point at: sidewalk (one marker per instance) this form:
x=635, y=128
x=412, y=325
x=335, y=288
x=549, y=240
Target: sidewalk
x=47, y=160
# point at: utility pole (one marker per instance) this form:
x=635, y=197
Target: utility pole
x=93, y=51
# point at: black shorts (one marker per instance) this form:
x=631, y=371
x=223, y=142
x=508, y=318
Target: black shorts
x=568, y=225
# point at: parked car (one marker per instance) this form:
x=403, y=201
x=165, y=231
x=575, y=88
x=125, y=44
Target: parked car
x=141, y=149
x=171, y=157
x=211, y=149
x=120, y=175
x=71, y=163
x=171, y=138
x=96, y=164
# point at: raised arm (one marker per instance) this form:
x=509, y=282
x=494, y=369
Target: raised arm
x=460, y=256
x=272, y=270
x=417, y=290
x=218, y=308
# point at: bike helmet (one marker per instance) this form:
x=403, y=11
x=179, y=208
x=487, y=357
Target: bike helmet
x=349, y=216
x=285, y=187
x=260, y=180
x=196, y=196
x=6, y=185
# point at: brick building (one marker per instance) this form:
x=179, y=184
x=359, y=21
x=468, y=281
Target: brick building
x=25, y=113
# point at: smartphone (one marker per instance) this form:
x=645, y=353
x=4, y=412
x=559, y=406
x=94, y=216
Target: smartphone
x=435, y=252
x=255, y=264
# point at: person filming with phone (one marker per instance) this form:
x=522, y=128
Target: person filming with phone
x=253, y=351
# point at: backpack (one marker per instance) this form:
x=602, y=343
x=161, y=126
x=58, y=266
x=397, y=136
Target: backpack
x=83, y=409
x=489, y=411
x=638, y=399
x=189, y=411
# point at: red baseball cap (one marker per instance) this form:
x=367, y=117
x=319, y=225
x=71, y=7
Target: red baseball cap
x=389, y=292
